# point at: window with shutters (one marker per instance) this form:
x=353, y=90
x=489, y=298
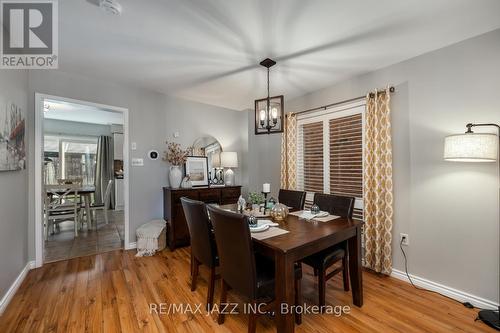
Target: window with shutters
x=330, y=153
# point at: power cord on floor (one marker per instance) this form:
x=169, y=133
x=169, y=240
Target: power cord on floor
x=466, y=304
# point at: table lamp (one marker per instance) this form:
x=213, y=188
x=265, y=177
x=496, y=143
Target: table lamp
x=475, y=147
x=229, y=159
x=217, y=178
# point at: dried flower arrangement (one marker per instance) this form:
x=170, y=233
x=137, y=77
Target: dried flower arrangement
x=175, y=155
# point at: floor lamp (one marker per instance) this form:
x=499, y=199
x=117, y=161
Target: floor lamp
x=475, y=147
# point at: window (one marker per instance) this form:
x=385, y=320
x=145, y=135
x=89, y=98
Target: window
x=330, y=153
x=70, y=158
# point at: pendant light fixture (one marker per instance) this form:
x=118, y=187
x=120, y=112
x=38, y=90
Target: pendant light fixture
x=269, y=112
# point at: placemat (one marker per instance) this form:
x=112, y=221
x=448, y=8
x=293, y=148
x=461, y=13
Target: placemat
x=306, y=214
x=271, y=232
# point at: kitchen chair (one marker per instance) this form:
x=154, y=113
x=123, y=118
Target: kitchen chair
x=294, y=199
x=61, y=203
x=341, y=206
x=203, y=247
x=103, y=206
x=67, y=181
x=245, y=272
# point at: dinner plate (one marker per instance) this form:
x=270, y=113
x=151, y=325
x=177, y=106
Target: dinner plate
x=322, y=214
x=259, y=228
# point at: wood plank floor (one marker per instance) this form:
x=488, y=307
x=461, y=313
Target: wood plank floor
x=111, y=292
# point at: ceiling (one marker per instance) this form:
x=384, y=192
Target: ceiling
x=60, y=110
x=208, y=51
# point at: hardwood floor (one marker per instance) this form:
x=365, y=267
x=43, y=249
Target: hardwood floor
x=111, y=292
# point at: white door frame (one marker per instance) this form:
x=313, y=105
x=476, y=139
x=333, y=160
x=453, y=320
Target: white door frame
x=39, y=98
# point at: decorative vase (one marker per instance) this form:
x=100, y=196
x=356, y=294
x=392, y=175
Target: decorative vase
x=175, y=176
x=186, y=183
x=279, y=212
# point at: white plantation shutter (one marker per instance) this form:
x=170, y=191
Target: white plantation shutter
x=330, y=153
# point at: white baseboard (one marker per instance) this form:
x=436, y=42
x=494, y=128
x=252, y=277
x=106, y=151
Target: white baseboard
x=131, y=246
x=15, y=285
x=445, y=290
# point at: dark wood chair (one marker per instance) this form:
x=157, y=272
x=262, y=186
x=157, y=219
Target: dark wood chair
x=203, y=247
x=322, y=261
x=249, y=274
x=294, y=199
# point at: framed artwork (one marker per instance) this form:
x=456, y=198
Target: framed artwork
x=12, y=128
x=196, y=168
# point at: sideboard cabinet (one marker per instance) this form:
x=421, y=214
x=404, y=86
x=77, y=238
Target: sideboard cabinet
x=177, y=229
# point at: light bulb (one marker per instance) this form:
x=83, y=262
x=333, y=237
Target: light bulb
x=262, y=115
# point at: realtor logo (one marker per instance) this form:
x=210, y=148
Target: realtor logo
x=29, y=34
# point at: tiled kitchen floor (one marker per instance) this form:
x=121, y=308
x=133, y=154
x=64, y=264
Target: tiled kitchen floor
x=109, y=237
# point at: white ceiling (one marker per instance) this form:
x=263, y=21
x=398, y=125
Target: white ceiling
x=209, y=50
x=60, y=110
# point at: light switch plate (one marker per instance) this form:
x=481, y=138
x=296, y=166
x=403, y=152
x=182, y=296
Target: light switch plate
x=137, y=162
x=133, y=145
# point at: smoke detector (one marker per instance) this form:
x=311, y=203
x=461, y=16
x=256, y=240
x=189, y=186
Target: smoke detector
x=111, y=6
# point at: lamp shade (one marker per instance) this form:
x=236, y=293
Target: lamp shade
x=216, y=160
x=229, y=159
x=471, y=147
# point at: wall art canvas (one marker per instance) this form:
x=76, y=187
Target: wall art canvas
x=196, y=168
x=12, y=130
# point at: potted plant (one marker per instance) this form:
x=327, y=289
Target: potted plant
x=256, y=199
x=176, y=157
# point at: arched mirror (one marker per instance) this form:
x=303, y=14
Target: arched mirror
x=211, y=148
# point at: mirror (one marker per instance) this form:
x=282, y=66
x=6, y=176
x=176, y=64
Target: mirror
x=211, y=148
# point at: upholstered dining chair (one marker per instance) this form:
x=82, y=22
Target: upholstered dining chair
x=341, y=206
x=249, y=274
x=293, y=199
x=203, y=247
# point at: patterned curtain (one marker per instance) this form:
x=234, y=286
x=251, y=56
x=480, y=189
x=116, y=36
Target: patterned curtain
x=289, y=153
x=378, y=196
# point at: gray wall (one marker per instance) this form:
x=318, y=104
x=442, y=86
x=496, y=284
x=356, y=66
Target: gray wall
x=449, y=210
x=153, y=118
x=13, y=193
x=192, y=120
x=56, y=126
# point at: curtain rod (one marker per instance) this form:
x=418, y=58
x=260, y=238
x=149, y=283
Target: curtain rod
x=324, y=107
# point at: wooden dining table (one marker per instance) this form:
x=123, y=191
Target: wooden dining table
x=85, y=191
x=307, y=237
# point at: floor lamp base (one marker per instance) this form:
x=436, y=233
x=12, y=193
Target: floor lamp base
x=490, y=318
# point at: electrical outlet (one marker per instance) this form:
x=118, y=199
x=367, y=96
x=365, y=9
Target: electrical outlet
x=404, y=239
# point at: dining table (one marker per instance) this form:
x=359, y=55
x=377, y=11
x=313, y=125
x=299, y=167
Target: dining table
x=85, y=191
x=302, y=239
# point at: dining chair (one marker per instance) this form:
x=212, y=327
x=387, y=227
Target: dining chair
x=342, y=206
x=249, y=274
x=203, y=247
x=294, y=199
x=70, y=181
x=104, y=206
x=61, y=203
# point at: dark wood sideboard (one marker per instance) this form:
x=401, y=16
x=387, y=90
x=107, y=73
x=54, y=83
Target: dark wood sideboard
x=177, y=229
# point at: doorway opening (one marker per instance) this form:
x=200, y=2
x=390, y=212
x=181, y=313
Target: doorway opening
x=81, y=178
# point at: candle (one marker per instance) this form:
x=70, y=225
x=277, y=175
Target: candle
x=266, y=188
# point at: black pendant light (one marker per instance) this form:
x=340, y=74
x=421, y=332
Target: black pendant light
x=269, y=112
